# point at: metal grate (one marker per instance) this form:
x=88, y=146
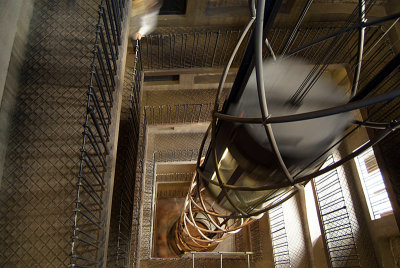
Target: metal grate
x=133, y=153
x=280, y=243
x=37, y=191
x=89, y=220
x=198, y=49
x=137, y=197
x=334, y=217
x=176, y=155
x=179, y=113
x=175, y=177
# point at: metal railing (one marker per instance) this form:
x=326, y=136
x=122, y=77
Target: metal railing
x=175, y=177
x=197, y=49
x=88, y=221
x=179, y=113
x=133, y=165
x=176, y=155
x=280, y=245
x=335, y=220
x=137, y=199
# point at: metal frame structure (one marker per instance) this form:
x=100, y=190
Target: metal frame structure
x=195, y=49
x=280, y=245
x=133, y=164
x=201, y=227
x=338, y=233
x=88, y=219
x=178, y=113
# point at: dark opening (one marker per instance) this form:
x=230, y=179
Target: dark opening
x=161, y=78
x=173, y=7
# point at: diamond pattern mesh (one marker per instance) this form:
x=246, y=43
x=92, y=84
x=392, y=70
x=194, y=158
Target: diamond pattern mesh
x=129, y=166
x=363, y=239
x=195, y=49
x=348, y=240
x=279, y=237
x=37, y=190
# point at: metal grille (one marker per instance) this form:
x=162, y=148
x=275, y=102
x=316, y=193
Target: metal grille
x=175, y=177
x=176, y=155
x=298, y=252
x=133, y=153
x=137, y=197
x=37, y=190
x=197, y=49
x=334, y=217
x=280, y=244
x=356, y=212
x=179, y=113
x=89, y=220
x=123, y=152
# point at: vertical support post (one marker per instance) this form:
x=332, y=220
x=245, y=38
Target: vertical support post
x=193, y=260
x=221, y=259
x=248, y=260
x=301, y=204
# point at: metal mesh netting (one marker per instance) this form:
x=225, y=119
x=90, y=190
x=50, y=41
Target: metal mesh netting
x=130, y=60
x=295, y=236
x=175, y=177
x=279, y=237
x=334, y=216
x=173, y=142
x=195, y=49
x=180, y=106
x=185, y=96
x=179, y=113
x=138, y=197
x=37, y=190
x=347, y=238
x=357, y=215
x=123, y=157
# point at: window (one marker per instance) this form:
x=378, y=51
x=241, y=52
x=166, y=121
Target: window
x=372, y=182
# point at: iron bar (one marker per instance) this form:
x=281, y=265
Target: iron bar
x=105, y=22
x=90, y=165
x=345, y=30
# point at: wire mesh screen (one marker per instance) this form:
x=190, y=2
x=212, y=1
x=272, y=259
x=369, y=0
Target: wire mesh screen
x=357, y=215
x=137, y=198
x=93, y=182
x=179, y=113
x=129, y=166
x=197, y=49
x=175, y=177
x=294, y=230
x=280, y=243
x=37, y=188
x=334, y=217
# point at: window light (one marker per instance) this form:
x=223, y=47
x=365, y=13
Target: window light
x=373, y=186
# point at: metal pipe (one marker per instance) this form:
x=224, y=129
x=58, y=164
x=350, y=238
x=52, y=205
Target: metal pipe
x=316, y=114
x=297, y=25
x=260, y=86
x=345, y=30
x=361, y=35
